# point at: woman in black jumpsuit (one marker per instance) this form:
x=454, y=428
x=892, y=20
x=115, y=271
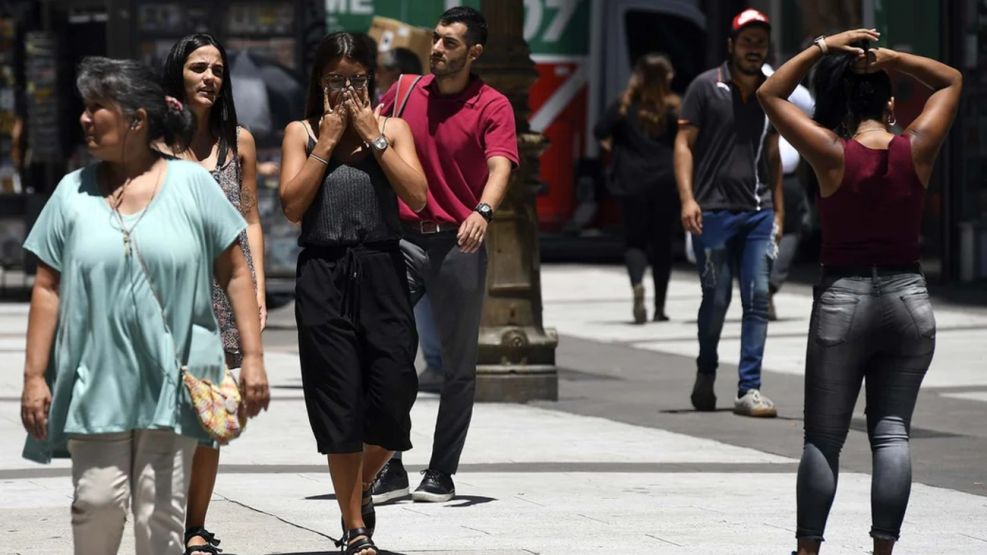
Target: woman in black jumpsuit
x=341, y=168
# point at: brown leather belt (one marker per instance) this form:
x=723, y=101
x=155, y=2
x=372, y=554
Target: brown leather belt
x=428, y=227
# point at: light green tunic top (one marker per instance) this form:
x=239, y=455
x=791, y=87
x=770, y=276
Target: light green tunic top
x=113, y=366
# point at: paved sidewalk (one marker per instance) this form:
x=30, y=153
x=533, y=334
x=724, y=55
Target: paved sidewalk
x=629, y=474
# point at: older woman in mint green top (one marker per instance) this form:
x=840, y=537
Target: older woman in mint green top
x=102, y=380
x=114, y=366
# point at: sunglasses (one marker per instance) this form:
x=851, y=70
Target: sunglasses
x=337, y=82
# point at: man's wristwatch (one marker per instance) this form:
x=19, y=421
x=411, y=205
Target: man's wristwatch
x=821, y=43
x=380, y=144
x=485, y=211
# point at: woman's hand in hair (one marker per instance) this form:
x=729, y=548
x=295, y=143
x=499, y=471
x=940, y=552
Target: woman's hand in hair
x=878, y=59
x=843, y=43
x=365, y=119
x=331, y=125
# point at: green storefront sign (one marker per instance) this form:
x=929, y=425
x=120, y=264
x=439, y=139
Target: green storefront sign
x=559, y=27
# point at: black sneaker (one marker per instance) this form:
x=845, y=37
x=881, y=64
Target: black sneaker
x=436, y=487
x=390, y=484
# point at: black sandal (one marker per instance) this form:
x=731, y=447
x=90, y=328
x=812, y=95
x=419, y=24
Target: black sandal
x=211, y=546
x=367, y=510
x=361, y=541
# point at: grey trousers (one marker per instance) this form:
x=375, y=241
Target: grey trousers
x=880, y=331
x=456, y=283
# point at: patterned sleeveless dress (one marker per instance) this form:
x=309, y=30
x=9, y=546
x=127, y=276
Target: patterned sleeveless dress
x=229, y=176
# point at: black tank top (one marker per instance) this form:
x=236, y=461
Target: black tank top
x=355, y=204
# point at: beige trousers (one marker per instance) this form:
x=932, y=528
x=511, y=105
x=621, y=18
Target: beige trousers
x=146, y=469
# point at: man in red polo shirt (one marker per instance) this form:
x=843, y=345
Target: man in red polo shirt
x=467, y=143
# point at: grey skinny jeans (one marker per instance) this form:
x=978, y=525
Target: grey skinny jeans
x=879, y=330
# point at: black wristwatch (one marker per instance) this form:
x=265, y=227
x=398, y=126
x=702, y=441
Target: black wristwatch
x=484, y=210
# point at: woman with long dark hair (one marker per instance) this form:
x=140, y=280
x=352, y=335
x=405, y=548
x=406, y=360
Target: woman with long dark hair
x=128, y=247
x=640, y=127
x=343, y=169
x=872, y=321
x=196, y=72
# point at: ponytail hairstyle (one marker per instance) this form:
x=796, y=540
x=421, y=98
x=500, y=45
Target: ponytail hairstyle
x=845, y=98
x=222, y=116
x=132, y=86
x=355, y=47
x=650, y=87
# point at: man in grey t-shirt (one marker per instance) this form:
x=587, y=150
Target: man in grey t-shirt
x=728, y=173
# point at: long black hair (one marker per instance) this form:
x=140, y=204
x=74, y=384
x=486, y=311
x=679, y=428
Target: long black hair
x=356, y=47
x=222, y=116
x=844, y=98
x=133, y=86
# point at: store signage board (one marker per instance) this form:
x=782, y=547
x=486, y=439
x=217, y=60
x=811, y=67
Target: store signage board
x=41, y=68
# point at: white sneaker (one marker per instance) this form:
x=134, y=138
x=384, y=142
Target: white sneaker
x=754, y=404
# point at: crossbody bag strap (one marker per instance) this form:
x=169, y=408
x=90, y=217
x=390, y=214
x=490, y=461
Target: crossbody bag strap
x=406, y=84
x=157, y=299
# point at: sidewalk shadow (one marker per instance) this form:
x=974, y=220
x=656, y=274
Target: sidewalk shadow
x=459, y=502
x=332, y=552
x=323, y=497
x=463, y=501
x=691, y=411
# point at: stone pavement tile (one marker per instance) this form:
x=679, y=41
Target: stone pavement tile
x=593, y=302
x=12, y=378
x=499, y=433
x=13, y=321
x=543, y=513
x=584, y=512
x=47, y=531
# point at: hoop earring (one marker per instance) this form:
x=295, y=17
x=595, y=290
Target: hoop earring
x=892, y=120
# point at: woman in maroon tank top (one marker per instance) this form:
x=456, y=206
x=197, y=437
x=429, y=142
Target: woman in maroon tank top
x=871, y=320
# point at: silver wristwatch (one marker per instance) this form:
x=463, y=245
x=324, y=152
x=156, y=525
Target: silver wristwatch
x=380, y=144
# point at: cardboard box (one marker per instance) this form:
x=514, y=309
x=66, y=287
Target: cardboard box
x=391, y=33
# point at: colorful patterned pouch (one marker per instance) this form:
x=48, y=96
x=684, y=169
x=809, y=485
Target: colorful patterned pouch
x=219, y=408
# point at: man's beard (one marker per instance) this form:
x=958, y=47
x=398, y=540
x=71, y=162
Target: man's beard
x=451, y=67
x=741, y=63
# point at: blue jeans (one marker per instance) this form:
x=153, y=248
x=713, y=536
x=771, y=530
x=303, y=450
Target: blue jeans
x=427, y=334
x=735, y=243
x=880, y=332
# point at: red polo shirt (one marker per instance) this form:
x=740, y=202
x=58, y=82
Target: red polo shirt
x=454, y=137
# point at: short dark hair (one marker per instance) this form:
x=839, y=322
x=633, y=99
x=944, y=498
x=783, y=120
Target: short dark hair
x=222, y=117
x=476, y=24
x=403, y=60
x=133, y=86
x=356, y=47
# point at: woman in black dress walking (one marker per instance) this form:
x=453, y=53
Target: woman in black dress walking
x=640, y=130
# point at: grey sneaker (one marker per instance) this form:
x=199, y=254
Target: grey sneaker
x=640, y=314
x=754, y=404
x=703, y=398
